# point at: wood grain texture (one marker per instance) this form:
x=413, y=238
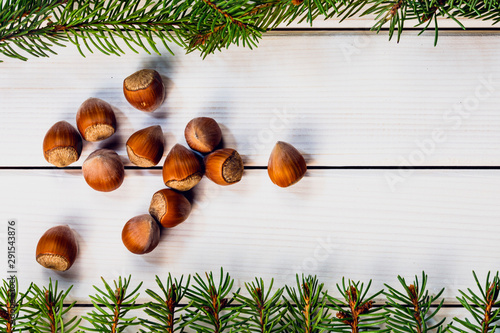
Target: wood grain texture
x=333, y=223
x=342, y=99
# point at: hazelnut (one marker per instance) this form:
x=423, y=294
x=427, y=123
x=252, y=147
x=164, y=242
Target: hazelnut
x=203, y=134
x=57, y=248
x=103, y=170
x=144, y=90
x=286, y=165
x=96, y=120
x=224, y=166
x=145, y=147
x=62, y=144
x=182, y=169
x=169, y=207
x=141, y=234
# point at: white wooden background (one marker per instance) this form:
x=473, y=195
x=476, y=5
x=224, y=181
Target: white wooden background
x=357, y=106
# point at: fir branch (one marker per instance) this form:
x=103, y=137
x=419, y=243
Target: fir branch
x=13, y=316
x=355, y=312
x=410, y=311
x=265, y=311
x=112, y=306
x=47, y=310
x=307, y=313
x=36, y=27
x=163, y=309
x=483, y=308
x=212, y=311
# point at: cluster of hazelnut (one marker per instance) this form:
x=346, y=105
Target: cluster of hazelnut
x=103, y=170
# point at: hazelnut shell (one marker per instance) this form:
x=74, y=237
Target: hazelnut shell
x=103, y=170
x=286, y=165
x=145, y=147
x=62, y=144
x=141, y=234
x=96, y=120
x=169, y=207
x=144, y=90
x=182, y=170
x=57, y=248
x=203, y=134
x=224, y=166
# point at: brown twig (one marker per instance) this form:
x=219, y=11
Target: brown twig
x=216, y=307
x=260, y=7
x=352, y=319
x=49, y=306
x=171, y=304
x=116, y=317
x=414, y=300
x=426, y=17
x=260, y=306
x=6, y=316
x=395, y=8
x=52, y=30
x=224, y=13
x=201, y=39
x=393, y=11
x=307, y=307
x=491, y=297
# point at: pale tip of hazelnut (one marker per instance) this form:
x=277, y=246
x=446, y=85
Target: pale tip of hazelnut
x=98, y=132
x=53, y=261
x=62, y=156
x=158, y=206
x=169, y=208
x=232, y=169
x=141, y=79
x=185, y=184
x=138, y=160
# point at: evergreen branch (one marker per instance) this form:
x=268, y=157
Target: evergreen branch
x=483, y=308
x=163, y=309
x=111, y=307
x=36, y=27
x=307, y=313
x=355, y=312
x=13, y=316
x=212, y=312
x=47, y=310
x=265, y=311
x=410, y=311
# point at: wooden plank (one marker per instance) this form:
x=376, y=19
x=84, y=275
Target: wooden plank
x=341, y=98
x=333, y=223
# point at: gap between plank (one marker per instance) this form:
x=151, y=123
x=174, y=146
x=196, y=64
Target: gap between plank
x=90, y=305
x=313, y=167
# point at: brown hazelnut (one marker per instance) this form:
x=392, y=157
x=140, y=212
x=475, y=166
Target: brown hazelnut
x=182, y=169
x=62, y=144
x=224, y=166
x=203, y=134
x=145, y=147
x=141, y=234
x=169, y=207
x=103, y=170
x=96, y=120
x=144, y=90
x=57, y=248
x=286, y=165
